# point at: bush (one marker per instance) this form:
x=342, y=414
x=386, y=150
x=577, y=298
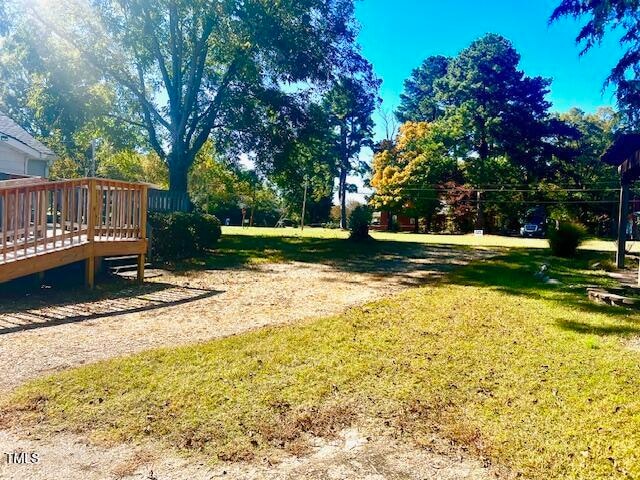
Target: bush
x=566, y=238
x=206, y=229
x=179, y=235
x=359, y=221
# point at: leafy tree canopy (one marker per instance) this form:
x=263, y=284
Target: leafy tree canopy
x=497, y=109
x=349, y=106
x=494, y=131
x=603, y=16
x=311, y=160
x=418, y=101
x=407, y=177
x=502, y=111
x=200, y=69
x=57, y=98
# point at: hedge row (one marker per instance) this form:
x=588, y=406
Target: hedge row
x=179, y=235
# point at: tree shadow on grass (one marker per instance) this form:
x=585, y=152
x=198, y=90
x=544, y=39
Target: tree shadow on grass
x=377, y=258
x=618, y=330
x=514, y=274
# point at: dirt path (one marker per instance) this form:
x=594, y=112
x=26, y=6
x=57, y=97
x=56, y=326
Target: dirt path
x=351, y=456
x=191, y=308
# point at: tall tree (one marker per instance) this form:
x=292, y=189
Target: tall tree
x=200, y=68
x=500, y=108
x=350, y=106
x=502, y=112
x=603, y=16
x=494, y=123
x=418, y=102
x=309, y=161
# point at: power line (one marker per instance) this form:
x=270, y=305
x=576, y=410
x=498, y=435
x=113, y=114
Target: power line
x=508, y=190
x=607, y=182
x=424, y=195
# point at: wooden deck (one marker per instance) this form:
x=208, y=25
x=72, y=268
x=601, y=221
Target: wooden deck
x=44, y=224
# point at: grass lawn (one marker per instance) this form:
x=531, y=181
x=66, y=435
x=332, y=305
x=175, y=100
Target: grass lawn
x=529, y=376
x=469, y=240
x=239, y=247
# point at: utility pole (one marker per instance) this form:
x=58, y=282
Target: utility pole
x=480, y=213
x=93, y=158
x=623, y=212
x=304, y=201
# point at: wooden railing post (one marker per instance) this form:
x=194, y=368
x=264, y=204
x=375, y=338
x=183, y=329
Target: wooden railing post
x=143, y=229
x=92, y=217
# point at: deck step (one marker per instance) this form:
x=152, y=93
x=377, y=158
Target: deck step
x=126, y=268
x=119, y=259
x=149, y=273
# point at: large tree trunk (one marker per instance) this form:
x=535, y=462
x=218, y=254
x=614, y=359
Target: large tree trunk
x=342, y=195
x=179, y=165
x=178, y=178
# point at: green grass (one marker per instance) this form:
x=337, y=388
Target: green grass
x=245, y=246
x=532, y=377
x=469, y=240
x=241, y=247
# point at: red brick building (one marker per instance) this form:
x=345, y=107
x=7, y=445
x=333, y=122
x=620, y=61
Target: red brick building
x=381, y=221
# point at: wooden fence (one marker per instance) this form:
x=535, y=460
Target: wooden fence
x=165, y=201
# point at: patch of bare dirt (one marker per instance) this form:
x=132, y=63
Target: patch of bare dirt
x=183, y=309
x=352, y=455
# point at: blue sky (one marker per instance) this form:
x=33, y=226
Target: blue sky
x=396, y=35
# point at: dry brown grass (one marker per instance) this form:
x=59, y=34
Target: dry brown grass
x=129, y=466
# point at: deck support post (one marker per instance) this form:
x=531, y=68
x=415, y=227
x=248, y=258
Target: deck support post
x=141, y=262
x=144, y=199
x=92, y=217
x=622, y=223
x=90, y=272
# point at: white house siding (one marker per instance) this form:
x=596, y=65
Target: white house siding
x=20, y=152
x=37, y=168
x=12, y=161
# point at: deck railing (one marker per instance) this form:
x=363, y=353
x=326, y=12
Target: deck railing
x=41, y=216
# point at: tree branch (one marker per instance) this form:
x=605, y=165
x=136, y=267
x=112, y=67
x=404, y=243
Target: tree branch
x=212, y=111
x=153, y=136
x=126, y=120
x=118, y=76
x=196, y=69
x=150, y=31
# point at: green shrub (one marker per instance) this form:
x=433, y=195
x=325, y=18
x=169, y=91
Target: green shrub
x=206, y=229
x=359, y=221
x=180, y=235
x=606, y=264
x=565, y=239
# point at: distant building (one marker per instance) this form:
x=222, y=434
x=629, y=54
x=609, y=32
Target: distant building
x=382, y=221
x=21, y=154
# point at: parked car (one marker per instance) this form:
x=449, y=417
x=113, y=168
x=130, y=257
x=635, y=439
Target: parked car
x=532, y=230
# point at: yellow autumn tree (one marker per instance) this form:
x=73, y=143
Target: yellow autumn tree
x=406, y=175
